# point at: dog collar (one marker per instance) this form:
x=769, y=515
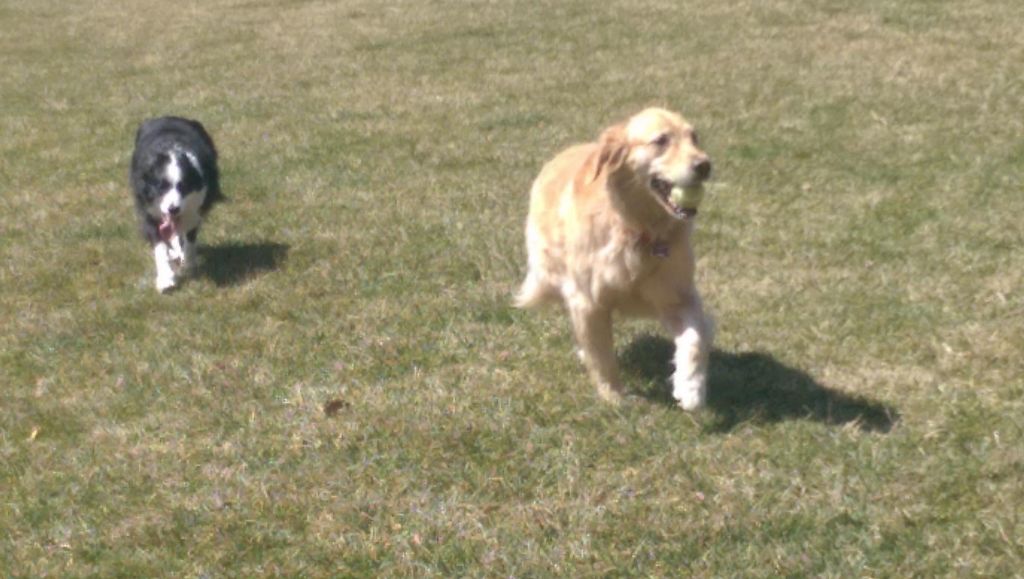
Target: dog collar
x=659, y=248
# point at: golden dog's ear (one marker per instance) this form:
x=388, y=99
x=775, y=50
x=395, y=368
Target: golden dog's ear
x=613, y=150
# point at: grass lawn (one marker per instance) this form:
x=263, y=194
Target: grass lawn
x=345, y=390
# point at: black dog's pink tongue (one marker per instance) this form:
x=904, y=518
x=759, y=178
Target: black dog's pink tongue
x=167, y=228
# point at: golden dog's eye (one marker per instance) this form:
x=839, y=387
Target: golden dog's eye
x=693, y=137
x=662, y=141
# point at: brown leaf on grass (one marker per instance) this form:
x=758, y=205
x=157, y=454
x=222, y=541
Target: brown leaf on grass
x=332, y=407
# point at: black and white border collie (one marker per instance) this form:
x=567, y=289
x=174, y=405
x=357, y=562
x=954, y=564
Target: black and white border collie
x=175, y=182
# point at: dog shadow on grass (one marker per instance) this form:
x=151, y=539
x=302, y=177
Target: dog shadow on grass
x=233, y=263
x=754, y=387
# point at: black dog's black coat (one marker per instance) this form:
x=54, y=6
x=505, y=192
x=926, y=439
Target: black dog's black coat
x=155, y=141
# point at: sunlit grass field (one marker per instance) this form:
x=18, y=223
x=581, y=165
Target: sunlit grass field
x=344, y=388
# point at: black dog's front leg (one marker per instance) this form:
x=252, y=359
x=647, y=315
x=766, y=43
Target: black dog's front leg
x=188, y=249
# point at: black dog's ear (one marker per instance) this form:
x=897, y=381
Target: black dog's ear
x=191, y=178
x=154, y=172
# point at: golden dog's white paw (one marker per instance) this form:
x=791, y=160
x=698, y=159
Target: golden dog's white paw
x=611, y=394
x=691, y=393
x=165, y=283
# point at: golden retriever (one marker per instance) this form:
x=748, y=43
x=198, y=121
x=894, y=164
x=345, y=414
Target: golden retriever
x=604, y=235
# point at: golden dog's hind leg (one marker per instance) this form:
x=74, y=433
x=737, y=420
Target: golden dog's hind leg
x=593, y=329
x=692, y=331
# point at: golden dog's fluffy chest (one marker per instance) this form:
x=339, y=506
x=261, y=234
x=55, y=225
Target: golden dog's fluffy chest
x=636, y=271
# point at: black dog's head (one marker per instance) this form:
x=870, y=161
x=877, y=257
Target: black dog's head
x=172, y=184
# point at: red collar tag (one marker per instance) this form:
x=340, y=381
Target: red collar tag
x=658, y=248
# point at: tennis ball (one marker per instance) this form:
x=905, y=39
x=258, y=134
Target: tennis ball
x=686, y=197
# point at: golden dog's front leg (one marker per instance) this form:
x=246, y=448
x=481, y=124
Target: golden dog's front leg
x=593, y=328
x=692, y=331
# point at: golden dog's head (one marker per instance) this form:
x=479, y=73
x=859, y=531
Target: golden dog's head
x=659, y=150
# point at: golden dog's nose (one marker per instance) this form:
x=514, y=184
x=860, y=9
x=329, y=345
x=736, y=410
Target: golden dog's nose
x=702, y=168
